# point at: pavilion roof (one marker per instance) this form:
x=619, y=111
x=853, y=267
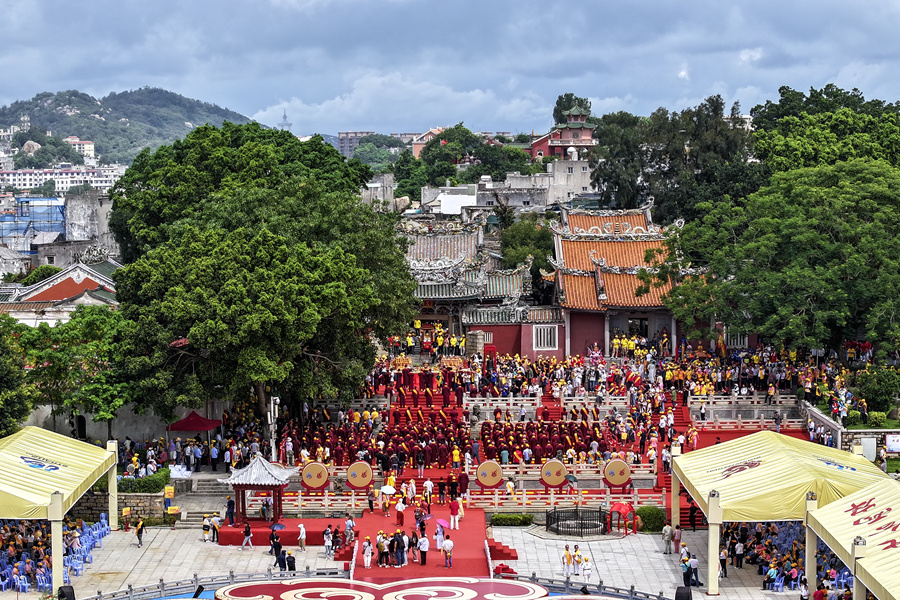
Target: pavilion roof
x=261, y=472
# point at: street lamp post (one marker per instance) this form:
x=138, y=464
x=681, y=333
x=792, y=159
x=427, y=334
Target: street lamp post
x=273, y=422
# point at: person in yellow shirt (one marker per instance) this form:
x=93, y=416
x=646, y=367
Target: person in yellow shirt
x=456, y=457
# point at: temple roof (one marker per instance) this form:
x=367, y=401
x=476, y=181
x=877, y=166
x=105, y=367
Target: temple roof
x=431, y=247
x=261, y=472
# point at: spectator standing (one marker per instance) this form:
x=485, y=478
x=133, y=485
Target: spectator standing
x=447, y=549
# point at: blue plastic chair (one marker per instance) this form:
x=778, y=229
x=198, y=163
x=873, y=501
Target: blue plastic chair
x=78, y=567
x=6, y=583
x=43, y=584
x=778, y=585
x=23, y=586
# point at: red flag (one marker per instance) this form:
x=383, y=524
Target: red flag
x=443, y=142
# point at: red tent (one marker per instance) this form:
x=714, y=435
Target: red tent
x=194, y=422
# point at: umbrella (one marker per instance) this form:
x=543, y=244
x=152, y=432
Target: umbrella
x=388, y=489
x=277, y=527
x=443, y=523
x=572, y=478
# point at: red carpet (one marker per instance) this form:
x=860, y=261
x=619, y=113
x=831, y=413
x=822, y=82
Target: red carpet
x=708, y=437
x=469, y=559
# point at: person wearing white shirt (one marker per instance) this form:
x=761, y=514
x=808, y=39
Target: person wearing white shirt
x=423, y=550
x=447, y=549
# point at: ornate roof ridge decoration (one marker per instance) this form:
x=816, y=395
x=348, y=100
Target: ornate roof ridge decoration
x=521, y=267
x=93, y=255
x=605, y=213
x=435, y=264
x=410, y=227
x=627, y=270
x=488, y=315
x=600, y=286
x=629, y=233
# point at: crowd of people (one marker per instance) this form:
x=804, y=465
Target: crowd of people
x=26, y=548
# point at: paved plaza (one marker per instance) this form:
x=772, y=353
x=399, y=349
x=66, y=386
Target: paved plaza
x=180, y=553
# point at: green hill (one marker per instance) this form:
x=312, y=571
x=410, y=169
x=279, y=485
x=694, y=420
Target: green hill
x=121, y=124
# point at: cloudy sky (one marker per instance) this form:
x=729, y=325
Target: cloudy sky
x=407, y=65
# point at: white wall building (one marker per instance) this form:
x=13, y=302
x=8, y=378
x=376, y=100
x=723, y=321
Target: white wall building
x=66, y=176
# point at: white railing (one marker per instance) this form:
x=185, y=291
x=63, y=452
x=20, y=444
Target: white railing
x=214, y=582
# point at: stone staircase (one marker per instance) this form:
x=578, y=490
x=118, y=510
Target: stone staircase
x=211, y=487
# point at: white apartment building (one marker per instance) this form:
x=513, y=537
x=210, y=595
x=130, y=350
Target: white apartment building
x=65, y=175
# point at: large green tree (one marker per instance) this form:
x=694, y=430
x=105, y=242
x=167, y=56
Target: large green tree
x=76, y=365
x=164, y=187
x=619, y=161
x=680, y=159
x=530, y=236
x=17, y=396
x=808, y=140
x=213, y=312
x=809, y=261
x=829, y=99
x=411, y=175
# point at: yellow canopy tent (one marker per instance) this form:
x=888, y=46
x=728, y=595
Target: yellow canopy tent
x=44, y=474
x=765, y=476
x=872, y=513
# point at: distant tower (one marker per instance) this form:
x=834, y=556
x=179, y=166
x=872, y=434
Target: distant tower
x=284, y=125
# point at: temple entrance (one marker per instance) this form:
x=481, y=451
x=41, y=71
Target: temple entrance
x=638, y=327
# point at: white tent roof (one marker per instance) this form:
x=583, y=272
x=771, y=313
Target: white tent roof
x=766, y=475
x=872, y=513
x=35, y=462
x=261, y=472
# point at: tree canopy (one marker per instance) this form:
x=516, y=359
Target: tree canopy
x=529, y=236
x=829, y=99
x=681, y=159
x=255, y=265
x=828, y=137
x=166, y=186
x=17, y=396
x=53, y=150
x=568, y=101
x=248, y=305
x=810, y=260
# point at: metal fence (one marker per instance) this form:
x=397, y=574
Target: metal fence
x=188, y=586
x=578, y=521
x=567, y=586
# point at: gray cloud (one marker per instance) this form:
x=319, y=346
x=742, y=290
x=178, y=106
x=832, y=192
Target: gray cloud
x=406, y=65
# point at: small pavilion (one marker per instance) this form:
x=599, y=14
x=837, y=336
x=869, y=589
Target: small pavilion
x=260, y=475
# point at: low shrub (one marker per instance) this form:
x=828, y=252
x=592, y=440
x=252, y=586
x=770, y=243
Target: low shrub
x=854, y=417
x=653, y=517
x=152, y=484
x=877, y=419
x=512, y=520
x=801, y=394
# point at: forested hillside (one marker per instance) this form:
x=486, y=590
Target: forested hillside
x=120, y=124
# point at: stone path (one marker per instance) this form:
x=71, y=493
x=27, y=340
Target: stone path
x=179, y=554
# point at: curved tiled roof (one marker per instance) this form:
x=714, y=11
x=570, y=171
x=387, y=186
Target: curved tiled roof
x=431, y=247
x=581, y=292
x=586, y=221
x=624, y=253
